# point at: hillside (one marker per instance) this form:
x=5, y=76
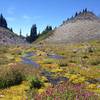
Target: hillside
x=84, y=26
x=8, y=37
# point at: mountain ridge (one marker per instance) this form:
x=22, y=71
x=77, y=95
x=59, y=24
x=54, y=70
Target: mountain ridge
x=7, y=37
x=83, y=27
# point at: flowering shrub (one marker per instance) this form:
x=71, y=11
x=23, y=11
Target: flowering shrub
x=65, y=91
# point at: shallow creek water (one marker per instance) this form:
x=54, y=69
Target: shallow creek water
x=49, y=75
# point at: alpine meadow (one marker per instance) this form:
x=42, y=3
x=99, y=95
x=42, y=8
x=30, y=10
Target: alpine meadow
x=50, y=50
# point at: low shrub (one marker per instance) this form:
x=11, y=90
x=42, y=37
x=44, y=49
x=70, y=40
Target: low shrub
x=62, y=62
x=9, y=77
x=95, y=62
x=15, y=74
x=35, y=82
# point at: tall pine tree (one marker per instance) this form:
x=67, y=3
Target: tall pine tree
x=33, y=34
x=3, y=22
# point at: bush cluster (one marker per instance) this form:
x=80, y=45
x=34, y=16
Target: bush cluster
x=15, y=74
x=9, y=77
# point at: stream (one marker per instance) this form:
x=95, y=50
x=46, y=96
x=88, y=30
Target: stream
x=26, y=60
x=49, y=75
x=53, y=80
x=55, y=56
x=30, y=62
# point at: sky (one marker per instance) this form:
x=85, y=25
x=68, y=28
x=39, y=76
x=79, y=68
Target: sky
x=22, y=14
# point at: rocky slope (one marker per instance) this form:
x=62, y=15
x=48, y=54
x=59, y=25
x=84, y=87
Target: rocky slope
x=8, y=37
x=84, y=26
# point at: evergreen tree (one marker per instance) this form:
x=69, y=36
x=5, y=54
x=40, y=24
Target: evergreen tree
x=3, y=22
x=33, y=34
x=76, y=14
x=64, y=22
x=47, y=29
x=85, y=10
x=20, y=32
x=11, y=30
x=71, y=18
x=80, y=12
x=27, y=35
x=68, y=19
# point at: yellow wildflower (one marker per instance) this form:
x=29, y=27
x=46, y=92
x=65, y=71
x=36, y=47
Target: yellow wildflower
x=67, y=75
x=18, y=59
x=79, y=80
x=92, y=86
x=57, y=70
x=73, y=77
x=47, y=84
x=44, y=79
x=41, y=90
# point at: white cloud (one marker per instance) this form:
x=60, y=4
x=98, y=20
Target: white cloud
x=11, y=10
x=37, y=17
x=10, y=19
x=26, y=17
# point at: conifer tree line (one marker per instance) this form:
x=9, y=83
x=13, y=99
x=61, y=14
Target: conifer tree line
x=3, y=23
x=84, y=11
x=33, y=31
x=34, y=35
x=47, y=29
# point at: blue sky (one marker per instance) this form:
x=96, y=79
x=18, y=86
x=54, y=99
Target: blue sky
x=21, y=14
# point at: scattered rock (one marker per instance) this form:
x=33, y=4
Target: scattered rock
x=1, y=96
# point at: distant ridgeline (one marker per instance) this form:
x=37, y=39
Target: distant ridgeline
x=82, y=15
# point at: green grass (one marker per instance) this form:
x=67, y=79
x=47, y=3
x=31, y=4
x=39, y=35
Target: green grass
x=43, y=36
x=80, y=64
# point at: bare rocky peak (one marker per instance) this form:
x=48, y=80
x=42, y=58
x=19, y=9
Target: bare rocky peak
x=84, y=26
